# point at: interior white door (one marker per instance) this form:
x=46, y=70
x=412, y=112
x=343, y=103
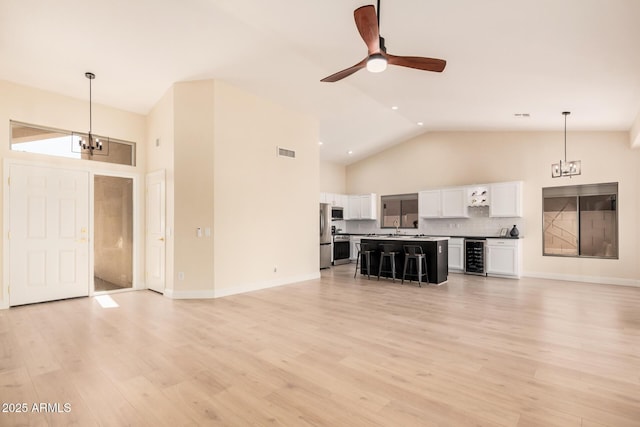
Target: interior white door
x=49, y=234
x=156, y=226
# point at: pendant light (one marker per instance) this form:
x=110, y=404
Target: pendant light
x=90, y=142
x=566, y=168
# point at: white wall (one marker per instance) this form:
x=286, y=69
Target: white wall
x=266, y=207
x=333, y=178
x=457, y=158
x=634, y=133
x=193, y=180
x=220, y=151
x=159, y=149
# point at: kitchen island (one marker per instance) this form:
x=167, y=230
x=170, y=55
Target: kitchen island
x=435, y=248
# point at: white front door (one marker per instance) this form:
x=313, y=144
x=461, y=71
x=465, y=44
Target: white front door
x=155, y=235
x=49, y=234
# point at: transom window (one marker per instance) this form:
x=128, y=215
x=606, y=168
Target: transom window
x=61, y=143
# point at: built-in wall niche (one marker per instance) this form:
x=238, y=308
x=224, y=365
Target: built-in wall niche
x=478, y=196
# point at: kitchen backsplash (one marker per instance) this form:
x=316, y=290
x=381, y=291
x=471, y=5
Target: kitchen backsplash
x=478, y=224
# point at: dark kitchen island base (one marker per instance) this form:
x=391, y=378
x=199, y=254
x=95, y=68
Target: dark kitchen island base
x=437, y=251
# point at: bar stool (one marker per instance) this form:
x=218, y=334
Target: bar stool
x=414, y=252
x=364, y=250
x=386, y=252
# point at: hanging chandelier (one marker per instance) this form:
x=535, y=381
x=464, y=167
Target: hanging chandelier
x=90, y=142
x=566, y=168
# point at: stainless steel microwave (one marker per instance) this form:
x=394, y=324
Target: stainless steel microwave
x=337, y=212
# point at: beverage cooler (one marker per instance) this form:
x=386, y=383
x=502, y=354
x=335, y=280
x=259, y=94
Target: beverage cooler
x=474, y=256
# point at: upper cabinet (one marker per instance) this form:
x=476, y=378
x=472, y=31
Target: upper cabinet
x=429, y=204
x=454, y=202
x=444, y=203
x=362, y=206
x=334, y=199
x=506, y=199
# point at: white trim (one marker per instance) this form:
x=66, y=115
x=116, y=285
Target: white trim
x=585, y=279
x=250, y=287
x=203, y=294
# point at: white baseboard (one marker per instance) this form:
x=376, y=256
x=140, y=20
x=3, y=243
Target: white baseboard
x=585, y=279
x=202, y=294
x=250, y=287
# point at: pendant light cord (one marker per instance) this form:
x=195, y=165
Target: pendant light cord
x=565, y=114
x=565, y=138
x=90, y=112
x=378, y=13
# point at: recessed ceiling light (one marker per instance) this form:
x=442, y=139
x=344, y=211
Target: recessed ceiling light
x=420, y=123
x=350, y=152
x=320, y=142
x=395, y=107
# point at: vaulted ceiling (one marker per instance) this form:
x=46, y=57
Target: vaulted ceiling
x=504, y=58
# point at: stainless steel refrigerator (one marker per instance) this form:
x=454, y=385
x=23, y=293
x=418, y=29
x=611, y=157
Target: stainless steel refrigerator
x=325, y=235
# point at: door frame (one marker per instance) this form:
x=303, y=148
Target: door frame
x=93, y=168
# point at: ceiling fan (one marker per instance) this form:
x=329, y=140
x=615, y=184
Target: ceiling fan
x=368, y=23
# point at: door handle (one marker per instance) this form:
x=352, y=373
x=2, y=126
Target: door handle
x=161, y=239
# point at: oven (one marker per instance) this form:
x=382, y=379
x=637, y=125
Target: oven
x=341, y=249
x=475, y=256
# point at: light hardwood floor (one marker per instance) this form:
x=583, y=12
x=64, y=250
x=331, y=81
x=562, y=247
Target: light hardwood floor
x=337, y=352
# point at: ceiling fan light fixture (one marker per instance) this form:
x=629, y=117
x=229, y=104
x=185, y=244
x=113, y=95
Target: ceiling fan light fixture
x=376, y=63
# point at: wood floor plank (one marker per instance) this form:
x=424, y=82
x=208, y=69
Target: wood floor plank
x=334, y=351
x=16, y=389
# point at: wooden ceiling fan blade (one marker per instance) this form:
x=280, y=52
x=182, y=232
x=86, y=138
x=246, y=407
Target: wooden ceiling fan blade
x=367, y=23
x=346, y=72
x=418, y=62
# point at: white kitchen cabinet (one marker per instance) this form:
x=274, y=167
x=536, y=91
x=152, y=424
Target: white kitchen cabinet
x=506, y=199
x=334, y=199
x=454, y=202
x=354, y=210
x=504, y=257
x=429, y=202
x=368, y=206
x=443, y=203
x=362, y=206
x=341, y=200
x=456, y=254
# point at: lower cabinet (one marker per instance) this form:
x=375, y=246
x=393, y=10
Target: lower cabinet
x=504, y=257
x=456, y=254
